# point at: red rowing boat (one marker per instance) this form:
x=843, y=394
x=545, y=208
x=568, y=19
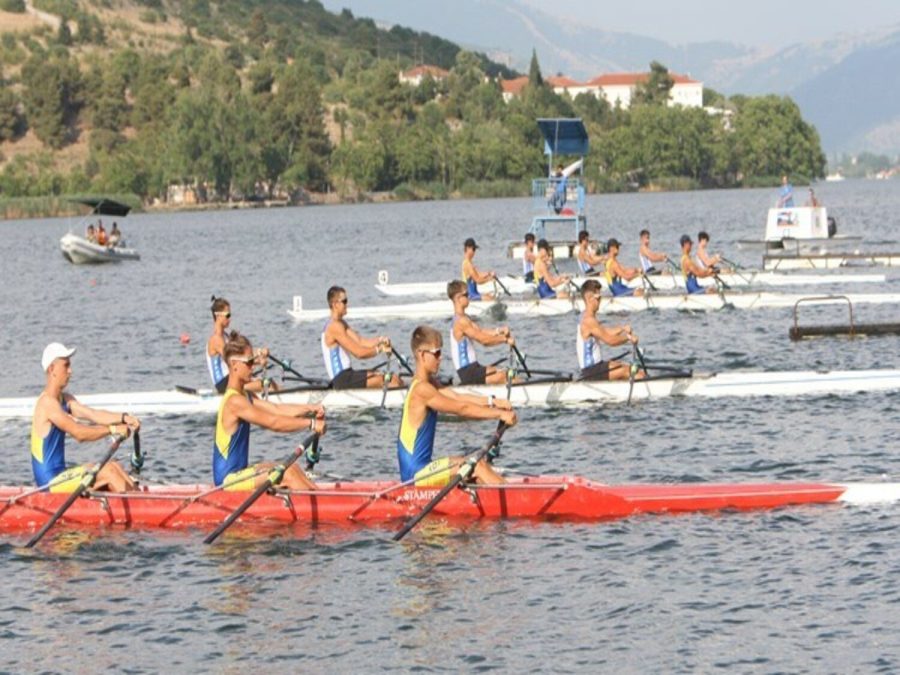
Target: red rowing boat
x=550, y=497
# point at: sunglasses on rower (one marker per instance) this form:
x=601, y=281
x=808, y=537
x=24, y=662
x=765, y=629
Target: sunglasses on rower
x=227, y=315
x=436, y=353
x=247, y=361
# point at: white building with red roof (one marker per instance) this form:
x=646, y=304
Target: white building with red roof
x=616, y=88
x=414, y=76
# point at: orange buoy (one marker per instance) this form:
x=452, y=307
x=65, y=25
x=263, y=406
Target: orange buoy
x=185, y=339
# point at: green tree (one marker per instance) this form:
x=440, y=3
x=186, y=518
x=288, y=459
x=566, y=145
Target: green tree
x=535, y=79
x=656, y=88
x=51, y=97
x=11, y=121
x=772, y=139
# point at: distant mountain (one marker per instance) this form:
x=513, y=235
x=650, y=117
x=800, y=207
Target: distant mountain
x=507, y=30
x=856, y=103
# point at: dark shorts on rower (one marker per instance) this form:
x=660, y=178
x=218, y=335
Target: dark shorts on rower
x=652, y=272
x=529, y=277
x=474, y=373
x=222, y=385
x=350, y=379
x=598, y=371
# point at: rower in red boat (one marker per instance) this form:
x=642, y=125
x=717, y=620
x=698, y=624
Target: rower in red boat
x=239, y=409
x=590, y=330
x=56, y=415
x=424, y=400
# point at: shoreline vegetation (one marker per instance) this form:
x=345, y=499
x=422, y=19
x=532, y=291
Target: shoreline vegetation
x=224, y=103
x=62, y=206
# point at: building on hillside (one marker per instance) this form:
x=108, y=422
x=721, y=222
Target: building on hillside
x=617, y=88
x=414, y=76
x=512, y=88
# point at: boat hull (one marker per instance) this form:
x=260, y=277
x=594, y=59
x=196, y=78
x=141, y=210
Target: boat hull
x=80, y=251
x=527, y=394
x=437, y=309
x=542, y=497
x=662, y=282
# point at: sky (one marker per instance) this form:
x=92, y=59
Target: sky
x=756, y=23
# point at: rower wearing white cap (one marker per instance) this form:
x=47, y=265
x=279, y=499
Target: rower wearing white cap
x=56, y=415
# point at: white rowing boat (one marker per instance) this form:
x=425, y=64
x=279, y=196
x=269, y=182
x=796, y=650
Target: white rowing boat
x=534, y=394
x=439, y=309
x=662, y=282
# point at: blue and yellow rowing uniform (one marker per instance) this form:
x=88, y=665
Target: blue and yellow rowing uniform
x=690, y=279
x=544, y=289
x=231, y=452
x=48, y=459
x=616, y=287
x=471, y=284
x=415, y=447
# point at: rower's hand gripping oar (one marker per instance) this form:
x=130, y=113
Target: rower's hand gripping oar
x=87, y=481
x=274, y=478
x=462, y=474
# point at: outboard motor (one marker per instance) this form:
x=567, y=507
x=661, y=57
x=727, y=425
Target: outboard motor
x=832, y=226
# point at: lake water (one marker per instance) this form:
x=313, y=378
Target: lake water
x=802, y=590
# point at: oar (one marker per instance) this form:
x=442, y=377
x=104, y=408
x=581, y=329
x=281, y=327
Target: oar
x=285, y=365
x=137, y=457
x=502, y=285
x=275, y=476
x=87, y=481
x=647, y=281
x=521, y=360
x=463, y=474
x=510, y=373
x=403, y=362
x=737, y=269
x=387, y=380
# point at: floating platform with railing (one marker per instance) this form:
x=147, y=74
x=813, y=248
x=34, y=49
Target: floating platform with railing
x=850, y=329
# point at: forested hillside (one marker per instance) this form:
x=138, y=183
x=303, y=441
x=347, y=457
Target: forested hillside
x=250, y=99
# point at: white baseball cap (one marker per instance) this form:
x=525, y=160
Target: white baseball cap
x=53, y=351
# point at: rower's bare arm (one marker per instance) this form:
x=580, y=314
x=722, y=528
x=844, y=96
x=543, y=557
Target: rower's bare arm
x=81, y=432
x=262, y=415
x=657, y=257
x=215, y=345
x=292, y=409
x=445, y=403
x=479, y=276
x=477, y=400
x=350, y=341
x=488, y=338
x=610, y=336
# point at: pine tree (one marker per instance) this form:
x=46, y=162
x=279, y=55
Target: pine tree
x=534, y=71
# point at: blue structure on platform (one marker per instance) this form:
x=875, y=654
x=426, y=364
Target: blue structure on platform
x=559, y=198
